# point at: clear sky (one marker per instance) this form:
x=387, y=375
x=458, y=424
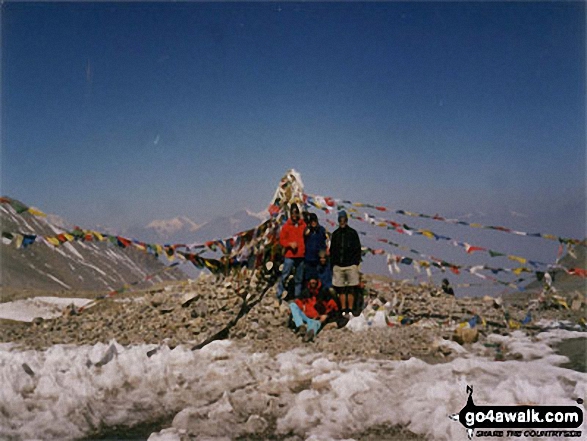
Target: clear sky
x=121, y=113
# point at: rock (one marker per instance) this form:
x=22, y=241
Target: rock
x=166, y=309
x=576, y=304
x=329, y=326
x=157, y=299
x=189, y=298
x=445, y=350
x=256, y=424
x=28, y=370
x=465, y=335
x=200, y=310
x=108, y=356
x=38, y=321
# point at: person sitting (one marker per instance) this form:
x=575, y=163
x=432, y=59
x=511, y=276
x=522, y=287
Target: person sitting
x=313, y=309
x=324, y=271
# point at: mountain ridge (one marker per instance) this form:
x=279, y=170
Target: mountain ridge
x=77, y=265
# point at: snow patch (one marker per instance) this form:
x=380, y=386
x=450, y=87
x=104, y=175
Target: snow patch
x=214, y=392
x=46, y=307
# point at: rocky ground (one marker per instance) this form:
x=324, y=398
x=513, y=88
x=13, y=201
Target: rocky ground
x=419, y=319
x=190, y=312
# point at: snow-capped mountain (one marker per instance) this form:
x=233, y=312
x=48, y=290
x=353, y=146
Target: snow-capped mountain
x=92, y=265
x=226, y=226
x=182, y=229
x=172, y=226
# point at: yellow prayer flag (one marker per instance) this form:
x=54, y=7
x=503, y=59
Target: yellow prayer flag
x=69, y=237
x=428, y=234
x=159, y=249
x=475, y=225
x=518, y=259
x=18, y=238
x=561, y=301
x=36, y=212
x=549, y=236
x=514, y=324
x=53, y=241
x=520, y=270
x=98, y=236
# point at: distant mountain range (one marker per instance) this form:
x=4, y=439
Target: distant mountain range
x=184, y=230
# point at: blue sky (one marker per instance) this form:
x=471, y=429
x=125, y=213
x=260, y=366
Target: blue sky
x=121, y=113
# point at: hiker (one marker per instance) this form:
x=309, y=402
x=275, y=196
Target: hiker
x=315, y=242
x=324, y=271
x=312, y=310
x=291, y=238
x=345, y=257
x=447, y=288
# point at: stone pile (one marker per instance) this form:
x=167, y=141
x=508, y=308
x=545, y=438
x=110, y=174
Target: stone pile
x=190, y=312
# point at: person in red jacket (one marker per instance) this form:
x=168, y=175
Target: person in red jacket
x=291, y=238
x=313, y=309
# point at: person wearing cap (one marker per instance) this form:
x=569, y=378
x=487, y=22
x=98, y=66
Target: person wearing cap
x=291, y=238
x=315, y=242
x=345, y=257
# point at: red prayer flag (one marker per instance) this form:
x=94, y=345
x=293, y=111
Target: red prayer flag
x=578, y=272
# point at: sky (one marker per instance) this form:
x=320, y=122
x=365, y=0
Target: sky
x=121, y=113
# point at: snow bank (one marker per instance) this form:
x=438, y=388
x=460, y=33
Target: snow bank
x=26, y=310
x=222, y=391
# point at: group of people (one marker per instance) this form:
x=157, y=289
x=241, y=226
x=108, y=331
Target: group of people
x=320, y=281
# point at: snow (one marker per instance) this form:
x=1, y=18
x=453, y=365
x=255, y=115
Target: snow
x=55, y=279
x=26, y=310
x=223, y=391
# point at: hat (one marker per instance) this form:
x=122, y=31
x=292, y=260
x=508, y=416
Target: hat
x=313, y=217
x=342, y=213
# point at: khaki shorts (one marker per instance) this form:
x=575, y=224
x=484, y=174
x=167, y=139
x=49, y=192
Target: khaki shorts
x=345, y=276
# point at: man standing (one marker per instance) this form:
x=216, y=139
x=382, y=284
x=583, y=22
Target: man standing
x=345, y=257
x=291, y=238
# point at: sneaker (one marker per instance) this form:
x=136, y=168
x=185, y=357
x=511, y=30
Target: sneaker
x=301, y=330
x=309, y=336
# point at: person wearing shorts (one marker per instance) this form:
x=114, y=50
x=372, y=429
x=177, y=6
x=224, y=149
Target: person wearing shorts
x=345, y=257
